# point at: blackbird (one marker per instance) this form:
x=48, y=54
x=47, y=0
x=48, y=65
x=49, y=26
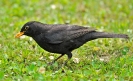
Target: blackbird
x=62, y=38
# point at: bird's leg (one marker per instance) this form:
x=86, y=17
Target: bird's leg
x=69, y=54
x=56, y=59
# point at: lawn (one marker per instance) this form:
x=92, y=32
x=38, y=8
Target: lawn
x=99, y=60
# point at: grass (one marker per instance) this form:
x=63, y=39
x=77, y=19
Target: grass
x=102, y=59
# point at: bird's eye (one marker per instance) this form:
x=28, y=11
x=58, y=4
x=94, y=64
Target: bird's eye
x=27, y=27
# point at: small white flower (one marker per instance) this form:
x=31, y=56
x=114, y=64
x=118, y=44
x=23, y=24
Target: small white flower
x=104, y=58
x=11, y=24
x=129, y=30
x=22, y=37
x=6, y=75
x=31, y=39
x=0, y=45
x=76, y=60
x=53, y=6
x=34, y=63
x=41, y=58
x=101, y=59
x=42, y=70
x=101, y=29
x=51, y=57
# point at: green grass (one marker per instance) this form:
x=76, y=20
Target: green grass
x=102, y=59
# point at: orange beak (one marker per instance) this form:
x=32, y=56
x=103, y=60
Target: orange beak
x=19, y=34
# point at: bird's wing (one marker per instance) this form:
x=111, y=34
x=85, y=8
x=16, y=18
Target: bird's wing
x=77, y=31
x=61, y=33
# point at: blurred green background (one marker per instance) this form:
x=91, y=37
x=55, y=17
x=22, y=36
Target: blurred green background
x=104, y=59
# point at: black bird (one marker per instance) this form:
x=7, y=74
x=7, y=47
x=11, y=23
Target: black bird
x=62, y=38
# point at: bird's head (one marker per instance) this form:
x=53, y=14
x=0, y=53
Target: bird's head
x=29, y=29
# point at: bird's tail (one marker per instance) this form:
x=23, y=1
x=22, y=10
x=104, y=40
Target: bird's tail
x=108, y=35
